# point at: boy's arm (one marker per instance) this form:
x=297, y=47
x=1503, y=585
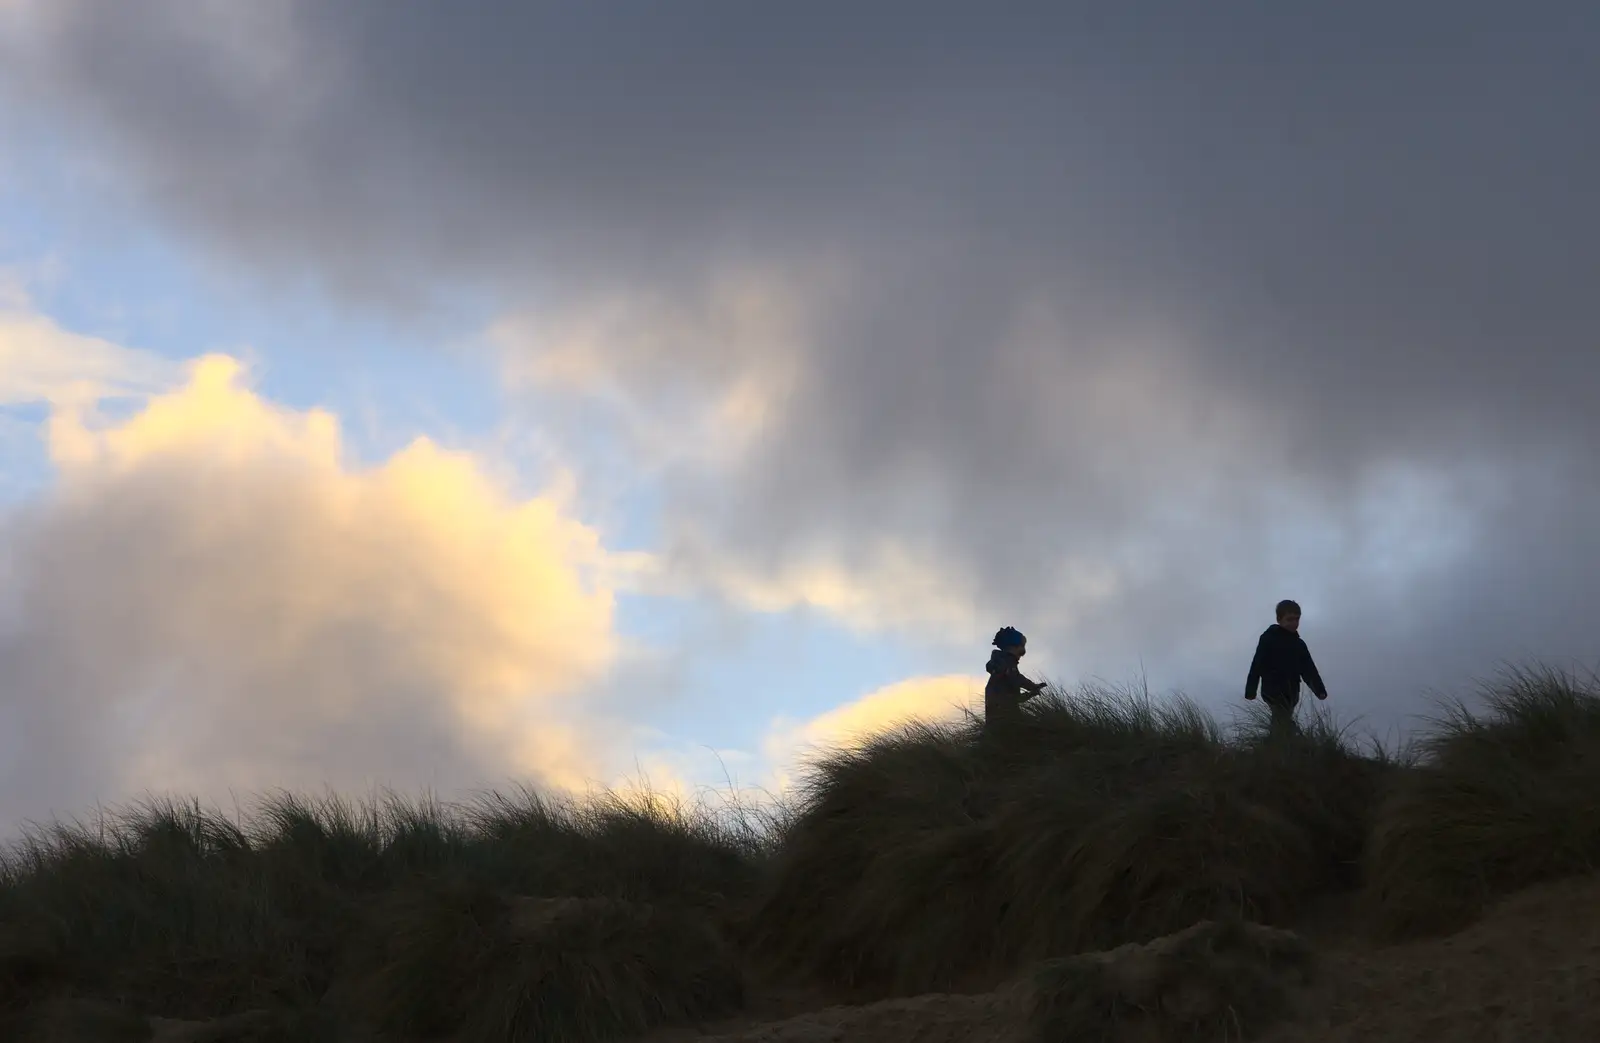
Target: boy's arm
x=1033, y=688
x=1308, y=671
x=1255, y=668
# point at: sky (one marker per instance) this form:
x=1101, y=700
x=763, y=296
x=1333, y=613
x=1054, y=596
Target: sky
x=399, y=394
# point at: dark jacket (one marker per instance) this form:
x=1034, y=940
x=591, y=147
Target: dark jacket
x=1007, y=689
x=1281, y=661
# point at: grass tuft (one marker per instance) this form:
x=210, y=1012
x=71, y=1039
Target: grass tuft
x=1214, y=980
x=932, y=857
x=460, y=960
x=191, y=915
x=1505, y=797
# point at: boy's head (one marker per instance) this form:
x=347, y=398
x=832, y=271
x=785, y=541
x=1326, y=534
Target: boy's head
x=1289, y=615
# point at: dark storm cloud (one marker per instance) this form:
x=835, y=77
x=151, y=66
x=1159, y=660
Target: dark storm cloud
x=1265, y=251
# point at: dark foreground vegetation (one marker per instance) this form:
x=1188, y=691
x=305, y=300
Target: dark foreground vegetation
x=928, y=859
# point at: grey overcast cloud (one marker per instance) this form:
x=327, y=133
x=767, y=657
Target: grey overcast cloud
x=1114, y=321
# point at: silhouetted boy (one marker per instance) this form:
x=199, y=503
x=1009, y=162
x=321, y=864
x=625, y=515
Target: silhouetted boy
x=1281, y=660
x=1007, y=689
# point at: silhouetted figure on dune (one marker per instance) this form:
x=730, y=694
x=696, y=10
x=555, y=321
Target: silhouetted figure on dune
x=1007, y=689
x=1281, y=661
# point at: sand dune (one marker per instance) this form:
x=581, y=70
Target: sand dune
x=1529, y=971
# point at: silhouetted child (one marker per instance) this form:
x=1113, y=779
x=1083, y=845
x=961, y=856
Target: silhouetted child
x=1007, y=689
x=1281, y=661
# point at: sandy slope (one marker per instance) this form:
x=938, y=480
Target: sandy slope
x=1530, y=971
x=991, y=1017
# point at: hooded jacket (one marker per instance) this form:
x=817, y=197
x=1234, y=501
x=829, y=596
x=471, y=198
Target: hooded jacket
x=1007, y=689
x=1281, y=661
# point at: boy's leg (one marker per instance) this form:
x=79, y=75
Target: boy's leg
x=1283, y=707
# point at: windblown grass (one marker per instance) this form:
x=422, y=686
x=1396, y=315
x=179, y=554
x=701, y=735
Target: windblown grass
x=933, y=857
x=199, y=916
x=1507, y=796
x=459, y=960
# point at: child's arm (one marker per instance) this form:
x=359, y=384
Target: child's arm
x=1308, y=671
x=1012, y=673
x=1255, y=668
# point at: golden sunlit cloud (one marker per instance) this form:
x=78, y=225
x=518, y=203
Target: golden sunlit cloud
x=941, y=698
x=212, y=595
